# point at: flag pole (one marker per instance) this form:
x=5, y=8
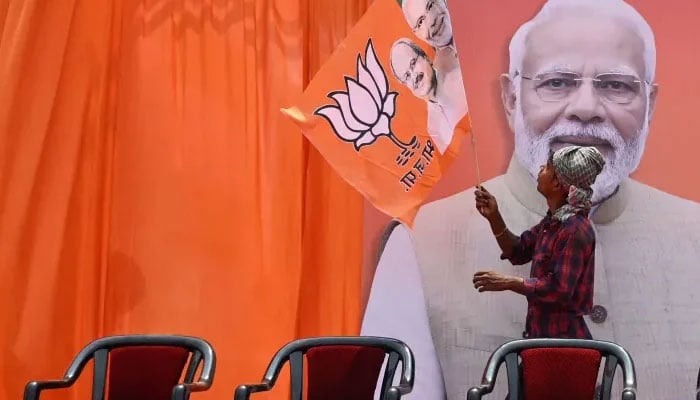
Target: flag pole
x=476, y=159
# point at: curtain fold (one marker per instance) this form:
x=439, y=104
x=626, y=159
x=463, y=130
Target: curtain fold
x=149, y=184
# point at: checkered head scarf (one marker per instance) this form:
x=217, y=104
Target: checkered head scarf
x=577, y=167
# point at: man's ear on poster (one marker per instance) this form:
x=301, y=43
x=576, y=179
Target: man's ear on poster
x=653, y=93
x=508, y=97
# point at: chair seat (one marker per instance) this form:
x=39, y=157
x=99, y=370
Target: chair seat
x=558, y=368
x=339, y=368
x=138, y=367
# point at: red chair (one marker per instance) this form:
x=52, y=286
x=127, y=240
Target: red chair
x=339, y=368
x=139, y=367
x=553, y=369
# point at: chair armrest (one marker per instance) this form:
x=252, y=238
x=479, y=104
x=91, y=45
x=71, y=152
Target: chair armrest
x=395, y=392
x=32, y=389
x=243, y=392
x=476, y=392
x=182, y=391
x=629, y=394
x=404, y=388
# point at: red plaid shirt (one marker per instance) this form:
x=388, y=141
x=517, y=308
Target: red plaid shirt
x=560, y=288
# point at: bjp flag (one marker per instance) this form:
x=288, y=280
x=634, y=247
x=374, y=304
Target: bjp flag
x=388, y=109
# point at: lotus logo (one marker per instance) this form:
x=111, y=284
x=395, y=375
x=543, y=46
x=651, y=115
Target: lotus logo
x=364, y=111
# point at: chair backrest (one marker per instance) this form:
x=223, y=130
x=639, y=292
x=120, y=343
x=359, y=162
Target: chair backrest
x=143, y=372
x=353, y=368
x=559, y=373
x=557, y=368
x=144, y=367
x=341, y=368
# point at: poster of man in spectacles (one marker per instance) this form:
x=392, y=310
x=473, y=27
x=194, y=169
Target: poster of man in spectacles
x=579, y=72
x=437, y=80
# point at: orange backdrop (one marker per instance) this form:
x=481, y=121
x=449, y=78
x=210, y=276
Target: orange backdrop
x=148, y=182
x=482, y=31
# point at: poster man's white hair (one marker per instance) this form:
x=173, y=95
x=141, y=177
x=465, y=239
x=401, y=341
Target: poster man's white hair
x=615, y=8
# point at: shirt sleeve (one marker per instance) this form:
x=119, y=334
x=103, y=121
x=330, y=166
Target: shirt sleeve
x=524, y=247
x=396, y=308
x=568, y=266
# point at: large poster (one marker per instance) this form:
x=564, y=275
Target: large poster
x=542, y=74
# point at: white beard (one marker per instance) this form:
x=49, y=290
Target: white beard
x=532, y=149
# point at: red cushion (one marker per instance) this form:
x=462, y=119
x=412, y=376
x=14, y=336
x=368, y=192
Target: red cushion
x=560, y=373
x=343, y=372
x=145, y=372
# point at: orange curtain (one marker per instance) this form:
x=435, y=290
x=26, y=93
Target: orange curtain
x=148, y=183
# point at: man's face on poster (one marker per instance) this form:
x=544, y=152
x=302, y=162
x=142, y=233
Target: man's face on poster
x=413, y=69
x=429, y=20
x=582, y=82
